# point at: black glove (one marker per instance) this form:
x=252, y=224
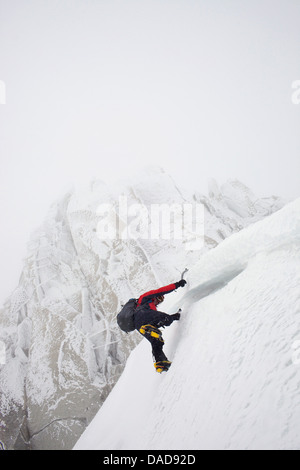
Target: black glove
x=180, y=283
x=176, y=316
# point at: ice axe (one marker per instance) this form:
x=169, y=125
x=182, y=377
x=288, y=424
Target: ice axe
x=182, y=276
x=183, y=273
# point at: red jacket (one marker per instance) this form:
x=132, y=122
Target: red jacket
x=148, y=297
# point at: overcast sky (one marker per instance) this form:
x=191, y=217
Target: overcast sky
x=99, y=88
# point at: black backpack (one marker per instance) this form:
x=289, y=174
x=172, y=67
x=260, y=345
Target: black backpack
x=125, y=317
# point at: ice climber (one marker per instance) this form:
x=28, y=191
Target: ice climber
x=148, y=320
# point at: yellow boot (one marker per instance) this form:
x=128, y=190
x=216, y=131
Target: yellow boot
x=162, y=366
x=152, y=331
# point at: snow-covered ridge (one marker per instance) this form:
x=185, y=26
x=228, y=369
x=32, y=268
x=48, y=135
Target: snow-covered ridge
x=64, y=351
x=233, y=383
x=226, y=262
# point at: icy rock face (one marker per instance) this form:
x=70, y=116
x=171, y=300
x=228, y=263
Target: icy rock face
x=63, y=349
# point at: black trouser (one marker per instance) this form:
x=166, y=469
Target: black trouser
x=157, y=346
x=146, y=316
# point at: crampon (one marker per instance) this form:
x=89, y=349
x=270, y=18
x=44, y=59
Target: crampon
x=162, y=366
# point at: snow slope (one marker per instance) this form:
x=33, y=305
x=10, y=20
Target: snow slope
x=64, y=350
x=235, y=377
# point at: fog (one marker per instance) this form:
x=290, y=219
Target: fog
x=96, y=89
